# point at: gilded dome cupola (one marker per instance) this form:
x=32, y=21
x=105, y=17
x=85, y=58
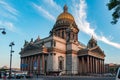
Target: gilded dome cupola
x=64, y=22
x=65, y=15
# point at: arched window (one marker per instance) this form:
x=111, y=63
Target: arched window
x=61, y=63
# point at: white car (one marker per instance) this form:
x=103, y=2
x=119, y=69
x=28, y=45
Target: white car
x=118, y=74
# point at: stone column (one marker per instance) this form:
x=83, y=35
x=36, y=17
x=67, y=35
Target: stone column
x=43, y=63
x=93, y=67
x=28, y=64
x=25, y=64
x=96, y=66
x=100, y=67
x=35, y=61
x=21, y=63
x=88, y=64
x=78, y=65
x=85, y=62
x=103, y=67
x=38, y=65
x=80, y=61
x=60, y=33
x=83, y=65
x=32, y=64
x=91, y=64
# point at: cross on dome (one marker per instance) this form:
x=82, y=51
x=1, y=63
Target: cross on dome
x=65, y=8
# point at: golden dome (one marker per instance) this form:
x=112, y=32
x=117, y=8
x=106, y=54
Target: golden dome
x=65, y=15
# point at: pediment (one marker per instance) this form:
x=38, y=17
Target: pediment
x=83, y=52
x=97, y=50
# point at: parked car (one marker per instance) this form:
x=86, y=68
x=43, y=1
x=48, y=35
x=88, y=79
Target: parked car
x=118, y=74
x=20, y=76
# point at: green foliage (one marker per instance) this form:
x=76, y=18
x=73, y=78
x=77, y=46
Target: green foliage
x=111, y=70
x=2, y=69
x=114, y=4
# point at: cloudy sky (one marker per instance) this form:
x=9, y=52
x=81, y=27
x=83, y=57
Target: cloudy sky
x=26, y=19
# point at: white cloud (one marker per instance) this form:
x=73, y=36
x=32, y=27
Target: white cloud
x=8, y=9
x=7, y=16
x=42, y=11
x=79, y=11
x=7, y=25
x=53, y=4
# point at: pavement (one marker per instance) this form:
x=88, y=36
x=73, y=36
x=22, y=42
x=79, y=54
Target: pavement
x=67, y=78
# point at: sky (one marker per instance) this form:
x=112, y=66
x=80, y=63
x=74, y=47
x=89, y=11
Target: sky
x=26, y=19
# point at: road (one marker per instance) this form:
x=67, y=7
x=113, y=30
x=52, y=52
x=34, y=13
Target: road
x=68, y=78
x=76, y=78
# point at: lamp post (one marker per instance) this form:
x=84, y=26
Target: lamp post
x=3, y=30
x=11, y=51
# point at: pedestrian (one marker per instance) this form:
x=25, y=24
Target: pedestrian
x=4, y=77
x=31, y=75
x=0, y=74
x=37, y=75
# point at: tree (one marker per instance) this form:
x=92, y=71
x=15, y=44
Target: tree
x=114, y=4
x=112, y=70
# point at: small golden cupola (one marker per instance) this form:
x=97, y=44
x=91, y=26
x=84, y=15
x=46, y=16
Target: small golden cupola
x=92, y=43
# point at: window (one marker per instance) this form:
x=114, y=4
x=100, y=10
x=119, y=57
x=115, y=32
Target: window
x=54, y=43
x=61, y=63
x=63, y=34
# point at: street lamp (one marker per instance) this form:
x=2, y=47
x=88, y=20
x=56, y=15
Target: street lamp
x=3, y=30
x=11, y=51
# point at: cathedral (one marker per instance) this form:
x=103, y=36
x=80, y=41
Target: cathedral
x=61, y=51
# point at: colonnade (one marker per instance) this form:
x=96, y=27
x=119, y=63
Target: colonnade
x=62, y=33
x=90, y=64
x=33, y=64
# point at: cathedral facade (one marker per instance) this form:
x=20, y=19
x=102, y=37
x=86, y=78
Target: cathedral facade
x=61, y=51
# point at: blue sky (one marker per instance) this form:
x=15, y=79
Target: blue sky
x=26, y=19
